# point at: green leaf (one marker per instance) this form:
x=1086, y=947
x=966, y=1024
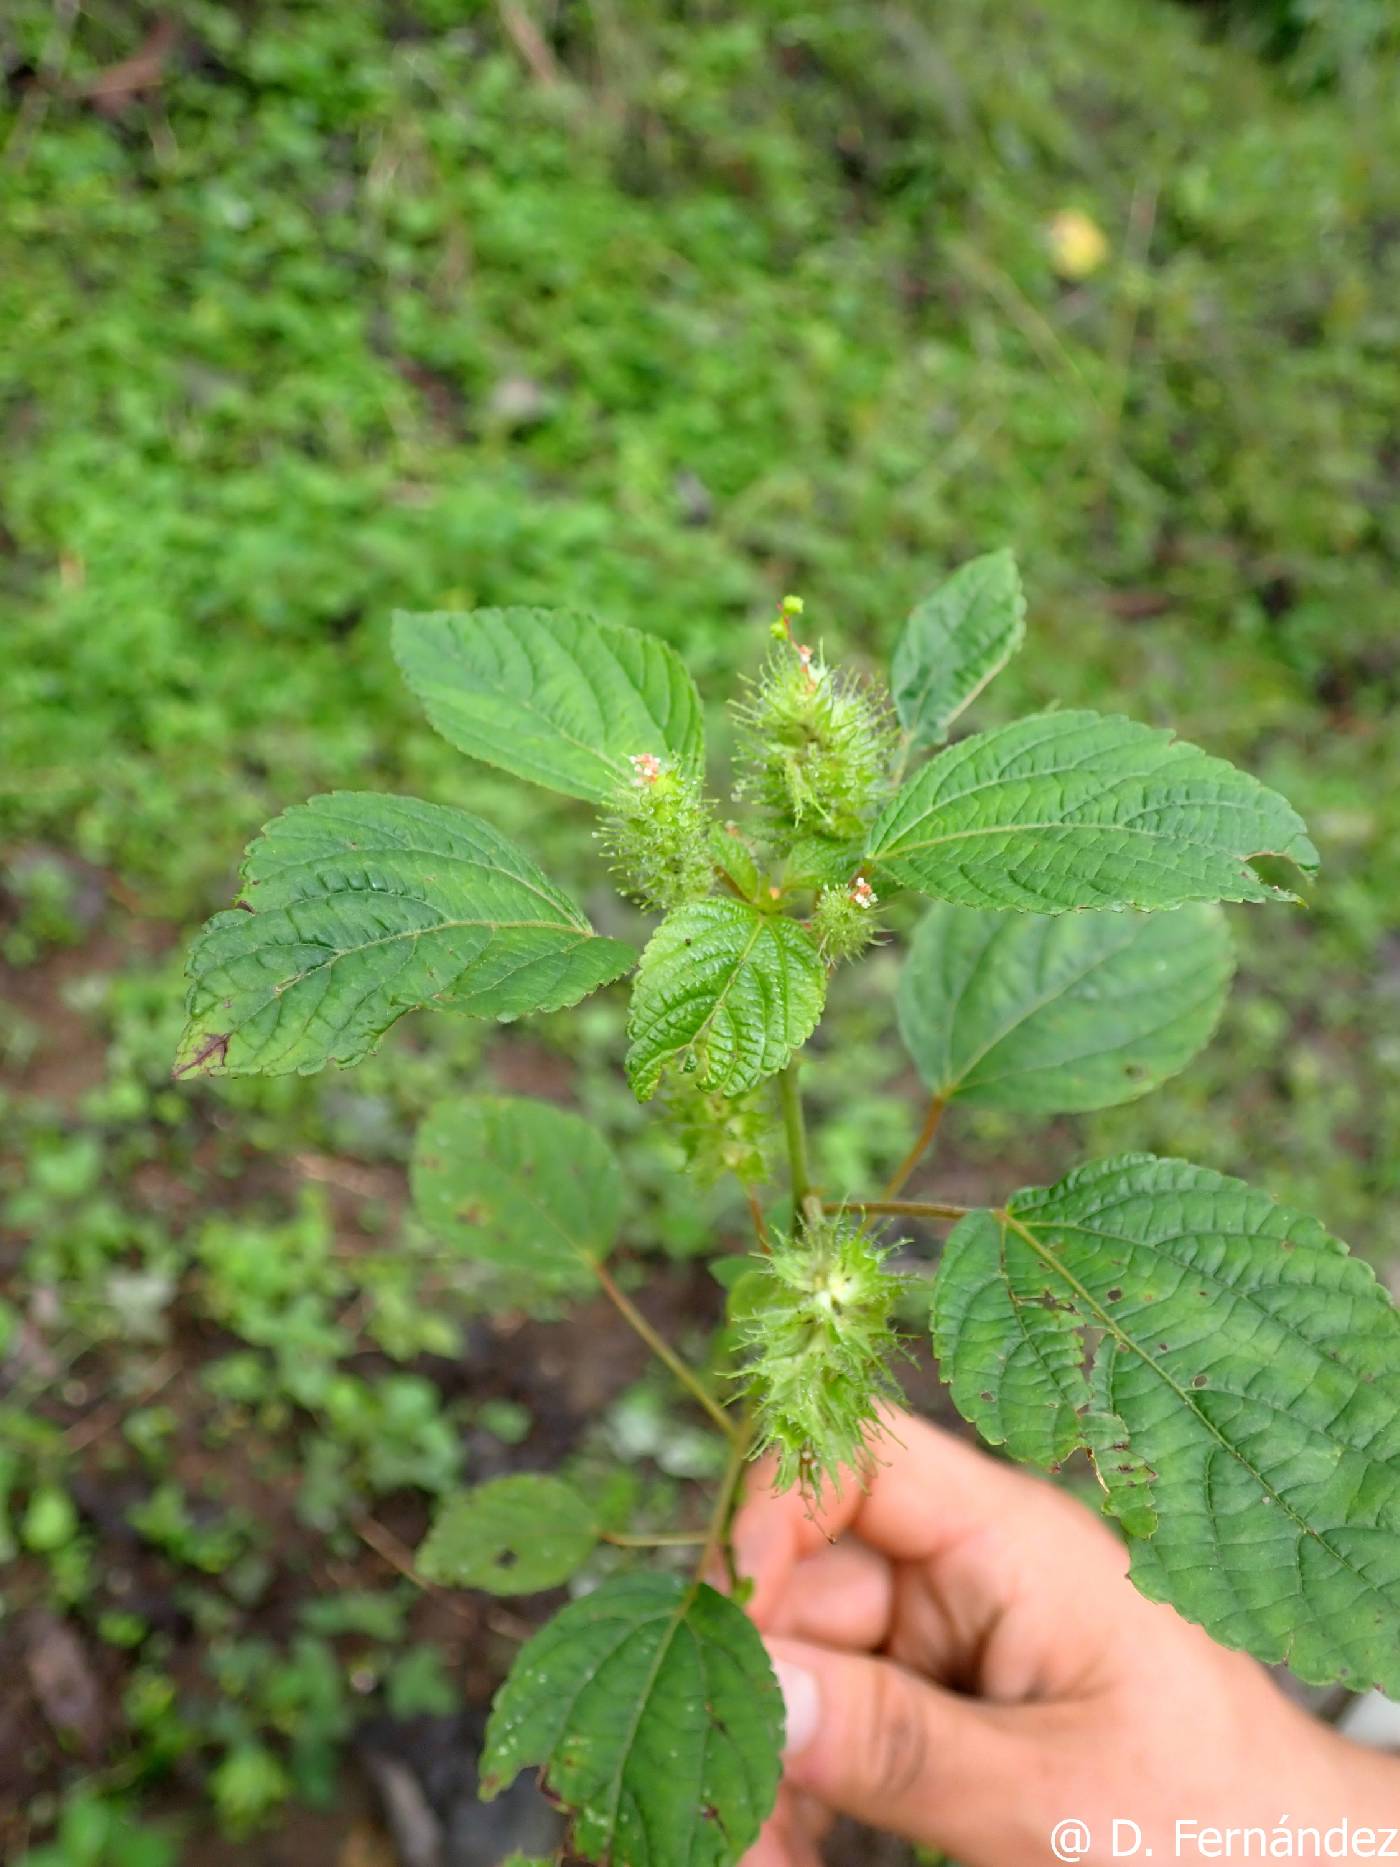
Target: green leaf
x=654, y=1713
x=1242, y=1406
x=1050, y=1014
x=734, y=858
x=822, y=861
x=1010, y=1353
x=358, y=908
x=727, y=988
x=520, y=1184
x=512, y=1536
x=1085, y=810
x=954, y=643
x=551, y=695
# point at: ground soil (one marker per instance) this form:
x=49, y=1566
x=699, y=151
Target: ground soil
x=407, y=1793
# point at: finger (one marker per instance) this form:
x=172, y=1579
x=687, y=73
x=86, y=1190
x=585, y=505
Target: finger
x=873, y=1741
x=787, y=1839
x=774, y=1531
x=810, y=1817
x=928, y=1491
x=841, y=1597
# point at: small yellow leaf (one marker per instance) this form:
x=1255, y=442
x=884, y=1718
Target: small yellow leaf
x=1078, y=245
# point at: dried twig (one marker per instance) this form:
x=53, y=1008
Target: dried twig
x=47, y=80
x=85, y=1431
x=530, y=42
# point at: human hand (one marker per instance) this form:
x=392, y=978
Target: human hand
x=965, y=1664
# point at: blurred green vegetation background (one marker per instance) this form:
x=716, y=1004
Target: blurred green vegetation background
x=310, y=311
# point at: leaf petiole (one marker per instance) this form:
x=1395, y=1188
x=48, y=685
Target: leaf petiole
x=669, y=1539
x=904, y=1208
x=663, y=1351
x=717, y=1537
x=760, y=1227
x=922, y=1143
x=795, y=1129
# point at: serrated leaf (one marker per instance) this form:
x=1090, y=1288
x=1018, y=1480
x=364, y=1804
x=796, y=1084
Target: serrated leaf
x=734, y=858
x=954, y=643
x=1050, y=1014
x=551, y=695
x=512, y=1536
x=653, y=1711
x=728, y=990
x=1242, y=1407
x=1085, y=810
x=361, y=907
x=520, y=1184
x=1007, y=1345
x=822, y=861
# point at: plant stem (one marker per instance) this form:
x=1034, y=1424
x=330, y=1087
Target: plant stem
x=920, y=1147
x=907, y=1208
x=795, y=1128
x=717, y=1536
x=389, y=1549
x=666, y=1539
x=385, y=1544
x=1142, y=217
x=906, y=746
x=756, y=1214
x=663, y=1351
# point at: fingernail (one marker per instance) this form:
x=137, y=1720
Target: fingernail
x=803, y=1704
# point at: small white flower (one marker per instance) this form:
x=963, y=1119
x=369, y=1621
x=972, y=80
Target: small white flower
x=863, y=894
x=647, y=766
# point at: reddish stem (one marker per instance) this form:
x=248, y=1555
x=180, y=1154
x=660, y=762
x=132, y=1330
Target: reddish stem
x=916, y=1153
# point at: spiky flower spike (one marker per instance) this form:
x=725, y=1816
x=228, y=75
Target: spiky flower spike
x=843, y=922
x=816, y=1339
x=657, y=835
x=815, y=743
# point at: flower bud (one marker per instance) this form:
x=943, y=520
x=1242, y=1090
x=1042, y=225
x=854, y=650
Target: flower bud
x=843, y=922
x=657, y=835
x=815, y=746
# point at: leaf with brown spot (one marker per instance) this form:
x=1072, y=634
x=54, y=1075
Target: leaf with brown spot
x=520, y=1184
x=367, y=907
x=646, y=1704
x=1252, y=1451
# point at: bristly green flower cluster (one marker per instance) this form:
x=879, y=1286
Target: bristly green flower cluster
x=719, y=1134
x=815, y=743
x=657, y=836
x=843, y=922
x=816, y=1337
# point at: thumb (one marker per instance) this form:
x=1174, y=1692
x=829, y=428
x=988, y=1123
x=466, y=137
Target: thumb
x=869, y=1739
